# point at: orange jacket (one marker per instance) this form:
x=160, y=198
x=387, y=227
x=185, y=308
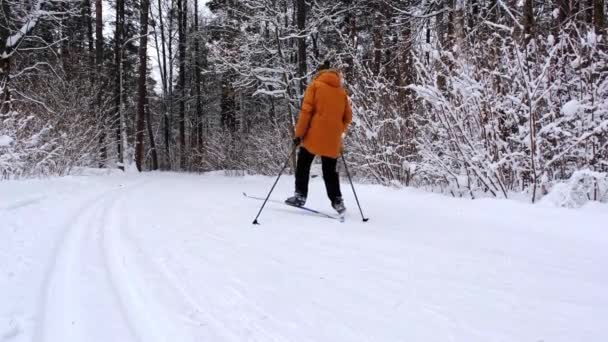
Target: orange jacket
x=324, y=116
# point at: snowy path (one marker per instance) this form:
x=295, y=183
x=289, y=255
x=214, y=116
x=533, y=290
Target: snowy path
x=166, y=257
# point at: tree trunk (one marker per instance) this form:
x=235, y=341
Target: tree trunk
x=598, y=16
x=88, y=22
x=182, y=19
x=5, y=96
x=5, y=62
x=532, y=123
x=118, y=36
x=564, y=11
x=86, y=13
x=578, y=8
x=197, y=74
x=377, y=37
x=163, y=60
x=100, y=79
x=428, y=41
x=169, y=114
x=142, y=86
x=473, y=17
x=151, y=137
x=528, y=20
x=451, y=26
x=228, y=103
x=301, y=19
x=446, y=32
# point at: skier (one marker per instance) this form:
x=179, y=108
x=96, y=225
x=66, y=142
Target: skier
x=324, y=117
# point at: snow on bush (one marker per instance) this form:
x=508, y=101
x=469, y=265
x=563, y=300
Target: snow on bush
x=582, y=187
x=5, y=140
x=41, y=144
x=512, y=129
x=570, y=108
x=22, y=149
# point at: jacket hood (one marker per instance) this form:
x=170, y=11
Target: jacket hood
x=330, y=77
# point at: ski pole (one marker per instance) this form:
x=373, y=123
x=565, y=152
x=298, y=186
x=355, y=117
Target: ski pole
x=255, y=221
x=365, y=219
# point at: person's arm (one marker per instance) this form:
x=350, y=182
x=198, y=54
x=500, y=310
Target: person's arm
x=306, y=112
x=348, y=115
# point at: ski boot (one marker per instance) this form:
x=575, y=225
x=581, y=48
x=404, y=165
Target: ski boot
x=338, y=205
x=297, y=200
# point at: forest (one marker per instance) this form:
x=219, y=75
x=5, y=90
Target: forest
x=471, y=98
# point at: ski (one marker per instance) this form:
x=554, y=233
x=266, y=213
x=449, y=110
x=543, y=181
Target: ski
x=339, y=217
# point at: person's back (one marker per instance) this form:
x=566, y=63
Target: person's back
x=324, y=117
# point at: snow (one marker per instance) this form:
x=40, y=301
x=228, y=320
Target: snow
x=591, y=38
x=498, y=26
x=570, y=108
x=5, y=140
x=576, y=192
x=26, y=28
x=174, y=257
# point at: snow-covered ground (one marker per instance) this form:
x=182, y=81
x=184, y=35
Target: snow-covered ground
x=173, y=257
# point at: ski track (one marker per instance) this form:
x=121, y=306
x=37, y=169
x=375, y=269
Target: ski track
x=201, y=322
x=23, y=203
x=166, y=297
x=80, y=281
x=163, y=259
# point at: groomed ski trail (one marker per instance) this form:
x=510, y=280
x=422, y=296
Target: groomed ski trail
x=102, y=286
x=81, y=281
x=173, y=257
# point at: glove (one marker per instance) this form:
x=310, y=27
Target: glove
x=297, y=141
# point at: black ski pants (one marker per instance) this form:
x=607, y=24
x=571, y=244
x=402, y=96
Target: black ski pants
x=330, y=175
